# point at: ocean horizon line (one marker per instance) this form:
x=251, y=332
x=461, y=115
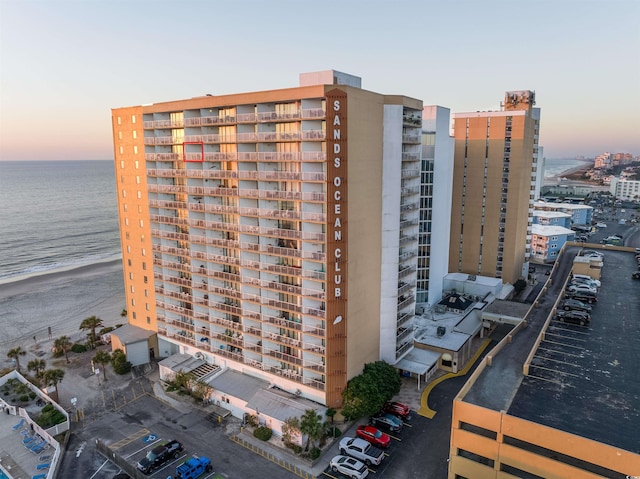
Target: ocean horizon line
x=56, y=268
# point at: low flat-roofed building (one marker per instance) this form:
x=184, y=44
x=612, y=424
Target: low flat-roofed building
x=555, y=400
x=547, y=241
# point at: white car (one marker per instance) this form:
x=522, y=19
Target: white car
x=589, y=278
x=349, y=466
x=601, y=225
x=574, y=288
x=588, y=282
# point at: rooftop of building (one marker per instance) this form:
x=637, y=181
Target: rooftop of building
x=551, y=214
x=566, y=206
x=582, y=380
x=550, y=230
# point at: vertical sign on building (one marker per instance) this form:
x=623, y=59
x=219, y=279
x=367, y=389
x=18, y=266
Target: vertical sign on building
x=336, y=309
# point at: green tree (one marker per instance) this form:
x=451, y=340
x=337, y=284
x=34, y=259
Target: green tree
x=38, y=366
x=290, y=429
x=53, y=377
x=366, y=393
x=102, y=357
x=63, y=344
x=91, y=324
x=386, y=376
x=119, y=362
x=311, y=425
x=15, y=353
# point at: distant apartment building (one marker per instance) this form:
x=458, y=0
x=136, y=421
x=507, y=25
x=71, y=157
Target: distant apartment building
x=622, y=158
x=603, y=161
x=581, y=214
x=276, y=233
x=435, y=204
x=494, y=187
x=547, y=241
x=551, y=218
x=625, y=189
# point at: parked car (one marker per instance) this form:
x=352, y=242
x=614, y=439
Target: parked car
x=389, y=421
x=349, y=466
x=581, y=287
x=635, y=275
x=601, y=225
x=577, y=317
x=159, y=455
x=373, y=435
x=584, y=296
x=575, y=305
x=584, y=276
x=361, y=450
x=398, y=409
x=586, y=282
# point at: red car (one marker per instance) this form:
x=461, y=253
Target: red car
x=398, y=409
x=373, y=435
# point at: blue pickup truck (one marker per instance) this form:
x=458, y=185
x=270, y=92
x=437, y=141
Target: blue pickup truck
x=193, y=468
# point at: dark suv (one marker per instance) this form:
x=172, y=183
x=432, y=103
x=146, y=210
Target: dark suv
x=575, y=305
x=159, y=455
x=577, y=317
x=584, y=296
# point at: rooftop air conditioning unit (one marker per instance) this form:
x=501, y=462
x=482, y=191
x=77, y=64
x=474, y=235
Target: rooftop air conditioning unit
x=441, y=331
x=471, y=277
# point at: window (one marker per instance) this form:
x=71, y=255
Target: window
x=133, y=118
x=146, y=293
x=126, y=221
x=139, y=195
x=133, y=302
x=145, y=279
x=141, y=223
x=148, y=320
x=146, y=306
x=135, y=150
x=119, y=135
x=129, y=262
x=128, y=249
x=144, y=265
x=131, y=276
x=124, y=194
x=137, y=180
x=132, y=289
x=144, y=252
x=121, y=150
x=133, y=315
x=119, y=121
x=137, y=165
x=135, y=134
x=121, y=163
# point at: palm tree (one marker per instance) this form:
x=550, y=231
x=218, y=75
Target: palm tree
x=311, y=425
x=104, y=358
x=63, y=344
x=15, y=353
x=90, y=324
x=36, y=365
x=52, y=377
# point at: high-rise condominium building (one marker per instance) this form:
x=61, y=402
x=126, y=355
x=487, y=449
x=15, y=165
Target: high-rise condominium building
x=495, y=170
x=435, y=204
x=275, y=232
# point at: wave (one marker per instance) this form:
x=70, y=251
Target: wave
x=58, y=267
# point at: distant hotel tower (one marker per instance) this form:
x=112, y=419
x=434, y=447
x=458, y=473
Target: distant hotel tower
x=494, y=186
x=276, y=232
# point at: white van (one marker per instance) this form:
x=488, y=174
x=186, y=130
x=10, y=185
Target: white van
x=586, y=276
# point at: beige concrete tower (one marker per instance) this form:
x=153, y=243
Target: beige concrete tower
x=495, y=164
x=274, y=232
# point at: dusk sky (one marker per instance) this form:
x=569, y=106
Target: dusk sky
x=65, y=64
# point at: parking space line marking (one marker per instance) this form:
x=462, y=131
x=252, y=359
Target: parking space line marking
x=98, y=470
x=551, y=381
x=542, y=358
x=563, y=344
x=559, y=352
x=565, y=337
x=554, y=371
x=575, y=331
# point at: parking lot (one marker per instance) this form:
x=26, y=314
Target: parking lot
x=584, y=377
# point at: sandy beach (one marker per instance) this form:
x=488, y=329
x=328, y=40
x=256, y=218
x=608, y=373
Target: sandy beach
x=60, y=301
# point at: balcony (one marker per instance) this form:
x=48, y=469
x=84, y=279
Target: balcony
x=412, y=139
x=283, y=356
x=403, y=348
x=404, y=301
x=403, y=318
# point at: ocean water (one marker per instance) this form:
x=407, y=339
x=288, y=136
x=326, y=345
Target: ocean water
x=554, y=167
x=60, y=257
